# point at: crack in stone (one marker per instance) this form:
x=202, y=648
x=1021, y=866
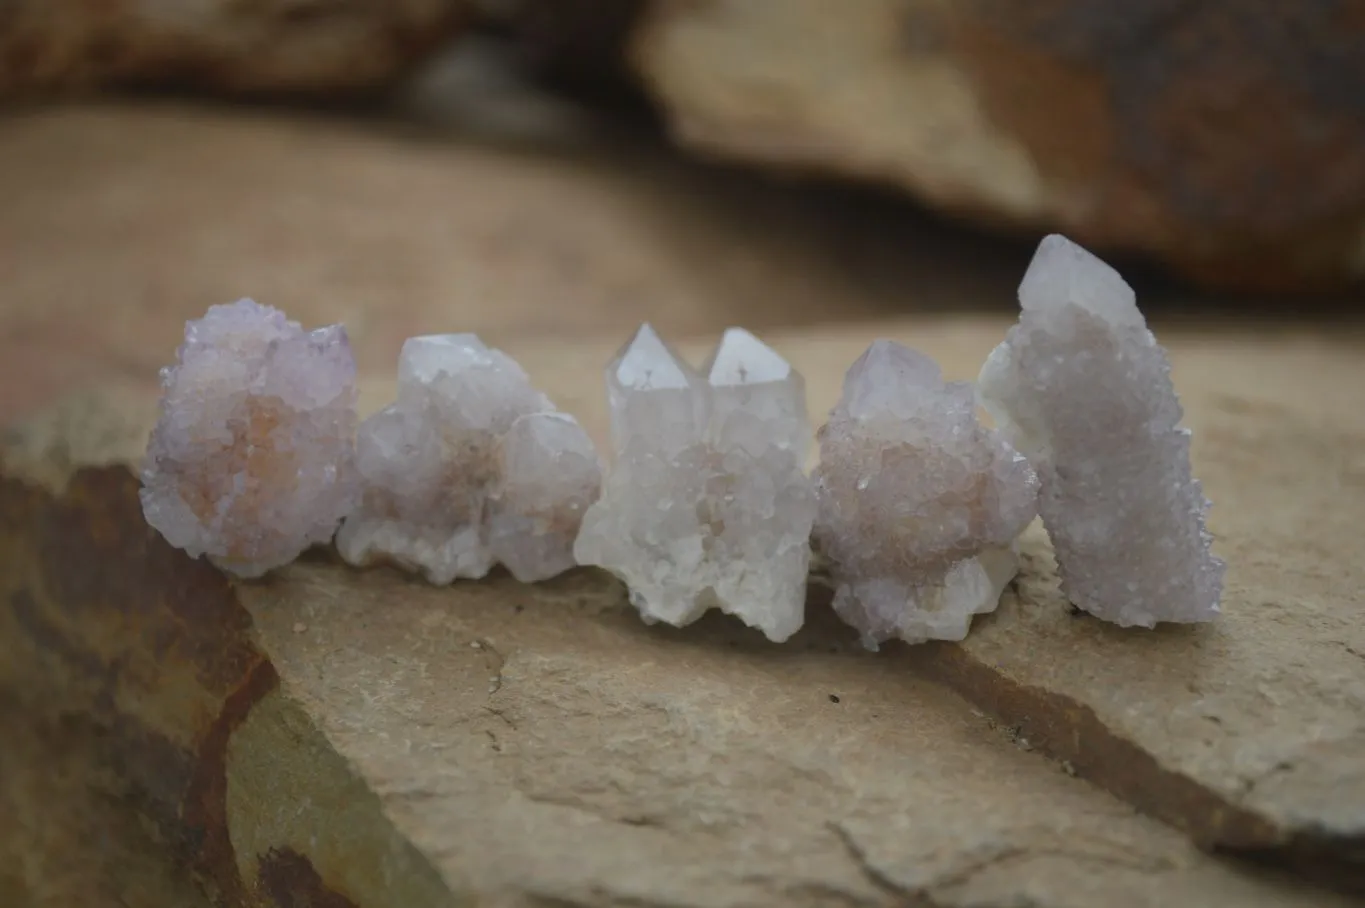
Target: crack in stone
x=578, y=805
x=904, y=895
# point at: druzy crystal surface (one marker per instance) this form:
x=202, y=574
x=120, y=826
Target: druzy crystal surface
x=707, y=504
x=470, y=466
x=251, y=460
x=919, y=504
x=1081, y=386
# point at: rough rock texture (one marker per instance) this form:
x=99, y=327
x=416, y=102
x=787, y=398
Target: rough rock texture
x=470, y=466
x=1082, y=388
x=707, y=503
x=267, y=46
x=919, y=504
x=1223, y=137
x=252, y=459
x=1245, y=732
x=336, y=739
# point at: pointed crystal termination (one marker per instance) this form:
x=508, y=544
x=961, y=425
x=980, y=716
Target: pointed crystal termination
x=707, y=504
x=919, y=504
x=1084, y=390
x=252, y=459
x=468, y=467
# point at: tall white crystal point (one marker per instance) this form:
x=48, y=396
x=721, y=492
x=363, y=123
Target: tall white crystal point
x=742, y=359
x=919, y=504
x=1081, y=386
x=757, y=398
x=707, y=504
x=1064, y=274
x=251, y=461
x=876, y=383
x=654, y=393
x=455, y=482
x=760, y=499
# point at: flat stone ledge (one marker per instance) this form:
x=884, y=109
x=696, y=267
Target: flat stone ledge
x=347, y=730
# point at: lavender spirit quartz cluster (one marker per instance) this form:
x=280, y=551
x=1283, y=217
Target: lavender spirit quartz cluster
x=470, y=466
x=251, y=460
x=914, y=508
x=1082, y=388
x=919, y=503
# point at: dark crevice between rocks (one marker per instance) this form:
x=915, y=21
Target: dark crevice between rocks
x=1069, y=731
x=578, y=49
x=205, y=806
x=289, y=880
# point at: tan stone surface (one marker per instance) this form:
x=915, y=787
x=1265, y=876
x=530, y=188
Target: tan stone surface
x=1222, y=137
x=121, y=222
x=264, y=47
x=336, y=738
x=1248, y=731
x=576, y=757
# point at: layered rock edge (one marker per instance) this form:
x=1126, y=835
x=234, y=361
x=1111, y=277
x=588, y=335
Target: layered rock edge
x=223, y=751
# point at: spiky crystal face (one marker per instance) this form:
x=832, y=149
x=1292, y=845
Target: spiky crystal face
x=919, y=503
x=707, y=504
x=469, y=467
x=252, y=458
x=1083, y=389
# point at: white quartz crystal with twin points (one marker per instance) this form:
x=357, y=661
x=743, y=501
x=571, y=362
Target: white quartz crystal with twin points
x=469, y=467
x=1081, y=386
x=919, y=503
x=707, y=503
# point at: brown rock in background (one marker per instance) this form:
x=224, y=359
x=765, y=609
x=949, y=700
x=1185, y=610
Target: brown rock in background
x=1225, y=138
x=234, y=46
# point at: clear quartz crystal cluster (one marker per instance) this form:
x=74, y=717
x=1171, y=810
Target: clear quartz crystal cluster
x=251, y=460
x=1083, y=389
x=919, y=504
x=707, y=503
x=470, y=466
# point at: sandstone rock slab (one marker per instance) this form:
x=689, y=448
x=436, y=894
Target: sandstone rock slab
x=337, y=738
x=1242, y=732
x=1086, y=117
x=533, y=744
x=58, y=796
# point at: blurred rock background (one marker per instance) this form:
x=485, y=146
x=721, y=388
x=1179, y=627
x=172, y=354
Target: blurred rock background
x=1223, y=139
